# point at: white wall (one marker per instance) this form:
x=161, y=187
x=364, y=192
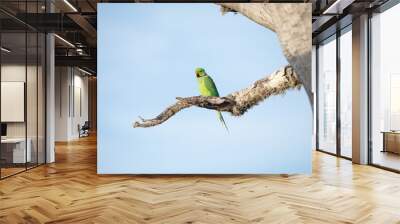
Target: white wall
x=70, y=84
x=33, y=127
x=62, y=82
x=80, y=109
x=16, y=73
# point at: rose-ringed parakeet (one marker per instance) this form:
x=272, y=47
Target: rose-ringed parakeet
x=207, y=88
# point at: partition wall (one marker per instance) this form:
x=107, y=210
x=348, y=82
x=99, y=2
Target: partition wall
x=22, y=77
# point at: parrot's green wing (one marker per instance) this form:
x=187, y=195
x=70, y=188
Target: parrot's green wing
x=207, y=86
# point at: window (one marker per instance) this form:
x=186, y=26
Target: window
x=327, y=96
x=346, y=92
x=385, y=89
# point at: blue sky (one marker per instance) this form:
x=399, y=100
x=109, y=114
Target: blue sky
x=147, y=54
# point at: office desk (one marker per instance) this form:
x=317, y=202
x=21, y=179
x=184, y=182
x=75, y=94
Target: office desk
x=391, y=141
x=13, y=150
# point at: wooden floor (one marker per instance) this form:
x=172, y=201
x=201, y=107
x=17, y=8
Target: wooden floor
x=70, y=191
x=5, y=172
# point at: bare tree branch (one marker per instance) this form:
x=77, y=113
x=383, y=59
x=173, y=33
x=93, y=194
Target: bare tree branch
x=236, y=103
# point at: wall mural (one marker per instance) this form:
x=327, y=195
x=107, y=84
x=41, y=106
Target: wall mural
x=182, y=88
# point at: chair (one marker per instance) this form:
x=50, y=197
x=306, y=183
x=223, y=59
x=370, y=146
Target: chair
x=84, y=130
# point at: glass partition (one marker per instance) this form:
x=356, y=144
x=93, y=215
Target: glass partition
x=385, y=89
x=327, y=95
x=13, y=94
x=22, y=89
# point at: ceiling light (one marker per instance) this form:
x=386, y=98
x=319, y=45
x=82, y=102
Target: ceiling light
x=70, y=5
x=65, y=41
x=5, y=50
x=79, y=51
x=338, y=6
x=84, y=71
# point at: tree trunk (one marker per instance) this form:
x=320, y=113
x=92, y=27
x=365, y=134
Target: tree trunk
x=292, y=24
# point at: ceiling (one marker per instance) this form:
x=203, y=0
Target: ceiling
x=332, y=15
x=75, y=23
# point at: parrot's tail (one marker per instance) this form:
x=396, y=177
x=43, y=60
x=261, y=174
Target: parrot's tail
x=221, y=118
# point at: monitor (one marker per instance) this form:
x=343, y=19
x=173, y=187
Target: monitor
x=3, y=129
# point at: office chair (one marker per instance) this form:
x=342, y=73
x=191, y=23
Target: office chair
x=84, y=130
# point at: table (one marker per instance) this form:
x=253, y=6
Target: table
x=13, y=150
x=391, y=141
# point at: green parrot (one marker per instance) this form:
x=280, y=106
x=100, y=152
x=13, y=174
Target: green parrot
x=207, y=88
